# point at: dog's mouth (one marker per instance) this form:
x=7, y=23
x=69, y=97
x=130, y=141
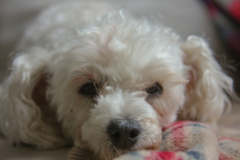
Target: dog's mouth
x=120, y=137
x=78, y=153
x=118, y=152
x=121, y=152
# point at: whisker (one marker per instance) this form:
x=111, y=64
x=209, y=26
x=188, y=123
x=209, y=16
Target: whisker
x=117, y=150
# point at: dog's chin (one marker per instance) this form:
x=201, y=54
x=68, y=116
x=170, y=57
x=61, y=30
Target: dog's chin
x=78, y=153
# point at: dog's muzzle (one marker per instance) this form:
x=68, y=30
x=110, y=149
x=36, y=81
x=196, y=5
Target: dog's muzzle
x=123, y=133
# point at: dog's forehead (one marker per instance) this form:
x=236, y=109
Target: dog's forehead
x=129, y=66
x=126, y=54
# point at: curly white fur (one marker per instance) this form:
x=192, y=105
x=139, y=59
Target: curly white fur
x=123, y=55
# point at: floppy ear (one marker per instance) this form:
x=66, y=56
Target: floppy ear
x=209, y=87
x=22, y=98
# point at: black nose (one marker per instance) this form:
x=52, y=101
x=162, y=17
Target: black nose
x=123, y=133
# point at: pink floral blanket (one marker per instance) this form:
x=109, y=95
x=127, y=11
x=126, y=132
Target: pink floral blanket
x=188, y=140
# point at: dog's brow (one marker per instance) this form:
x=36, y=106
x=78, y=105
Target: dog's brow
x=76, y=79
x=90, y=75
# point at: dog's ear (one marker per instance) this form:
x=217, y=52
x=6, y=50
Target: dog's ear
x=39, y=96
x=209, y=88
x=23, y=94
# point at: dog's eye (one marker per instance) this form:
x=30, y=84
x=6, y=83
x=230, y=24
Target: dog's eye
x=88, y=89
x=155, y=89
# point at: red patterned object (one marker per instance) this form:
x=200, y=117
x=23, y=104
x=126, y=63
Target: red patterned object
x=188, y=140
x=234, y=9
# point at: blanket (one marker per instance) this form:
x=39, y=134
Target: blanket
x=188, y=140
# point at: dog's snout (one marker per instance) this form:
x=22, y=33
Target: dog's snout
x=123, y=134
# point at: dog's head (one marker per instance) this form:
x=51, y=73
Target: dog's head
x=115, y=85
x=118, y=85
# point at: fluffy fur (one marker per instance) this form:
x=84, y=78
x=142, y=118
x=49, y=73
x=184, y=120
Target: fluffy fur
x=64, y=49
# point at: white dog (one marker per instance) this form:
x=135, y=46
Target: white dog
x=108, y=86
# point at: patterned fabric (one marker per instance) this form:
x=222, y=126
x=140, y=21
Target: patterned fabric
x=226, y=16
x=188, y=140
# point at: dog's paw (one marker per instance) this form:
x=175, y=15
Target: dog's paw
x=78, y=153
